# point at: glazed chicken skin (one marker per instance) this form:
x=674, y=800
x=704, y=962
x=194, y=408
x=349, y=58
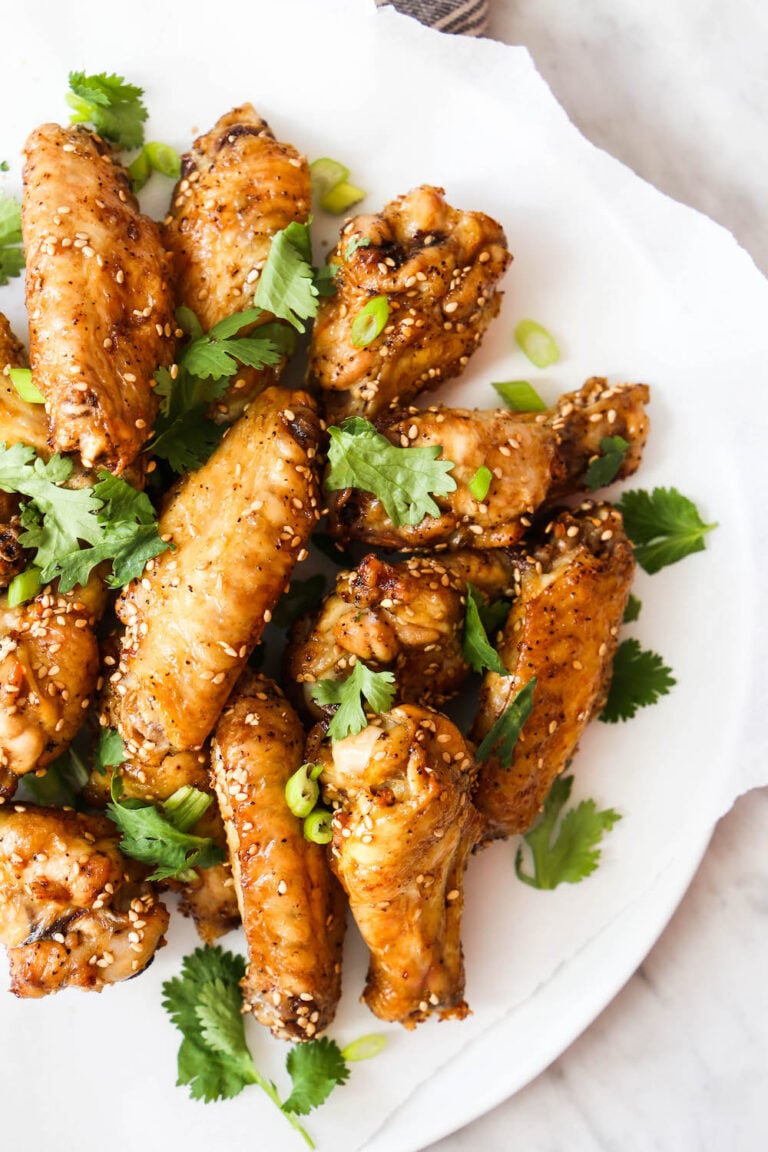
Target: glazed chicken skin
x=100, y=308
x=291, y=904
x=439, y=268
x=238, y=525
x=403, y=828
x=535, y=458
x=74, y=912
x=406, y=617
x=238, y=187
x=49, y=672
x=563, y=628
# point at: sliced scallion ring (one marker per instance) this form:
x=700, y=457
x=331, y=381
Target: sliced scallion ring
x=21, y=378
x=520, y=396
x=318, y=826
x=364, y=1048
x=342, y=197
x=302, y=790
x=185, y=807
x=370, y=321
x=481, y=482
x=325, y=174
x=163, y=159
x=140, y=170
x=24, y=587
x=537, y=343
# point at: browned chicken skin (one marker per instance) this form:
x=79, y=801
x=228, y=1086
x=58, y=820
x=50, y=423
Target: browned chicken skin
x=100, y=310
x=238, y=187
x=239, y=524
x=74, y=912
x=534, y=458
x=563, y=629
x=438, y=268
x=403, y=830
x=406, y=617
x=291, y=904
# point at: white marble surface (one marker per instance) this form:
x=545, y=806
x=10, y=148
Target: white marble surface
x=677, y=1063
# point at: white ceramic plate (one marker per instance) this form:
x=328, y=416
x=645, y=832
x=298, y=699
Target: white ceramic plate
x=618, y=274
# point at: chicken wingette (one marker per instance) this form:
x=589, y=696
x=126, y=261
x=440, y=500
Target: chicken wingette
x=238, y=187
x=534, y=458
x=74, y=912
x=438, y=269
x=573, y=585
x=291, y=904
x=407, y=617
x=238, y=526
x=404, y=826
x=100, y=308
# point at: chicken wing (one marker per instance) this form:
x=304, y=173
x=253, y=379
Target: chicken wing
x=49, y=671
x=563, y=630
x=291, y=904
x=238, y=526
x=238, y=187
x=407, y=617
x=74, y=912
x=438, y=267
x=100, y=308
x=534, y=457
x=403, y=829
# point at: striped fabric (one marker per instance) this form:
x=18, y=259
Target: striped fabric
x=469, y=17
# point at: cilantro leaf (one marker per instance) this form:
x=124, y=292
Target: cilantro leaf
x=639, y=678
x=60, y=784
x=573, y=854
x=664, y=526
x=218, y=352
x=404, y=479
x=605, y=468
x=494, y=615
x=286, y=285
x=110, y=750
x=11, y=247
x=114, y=107
x=632, y=610
x=475, y=646
x=503, y=736
x=378, y=689
x=355, y=243
x=153, y=837
x=315, y=1070
x=300, y=597
x=183, y=435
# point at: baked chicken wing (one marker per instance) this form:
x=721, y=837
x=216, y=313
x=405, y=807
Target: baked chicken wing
x=100, y=309
x=291, y=904
x=238, y=187
x=438, y=268
x=238, y=525
x=407, y=617
x=535, y=458
x=563, y=628
x=74, y=912
x=403, y=829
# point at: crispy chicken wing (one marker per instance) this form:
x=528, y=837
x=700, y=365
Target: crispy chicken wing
x=291, y=904
x=49, y=670
x=238, y=187
x=239, y=524
x=402, y=833
x=563, y=629
x=438, y=268
x=534, y=457
x=407, y=617
x=100, y=309
x=74, y=912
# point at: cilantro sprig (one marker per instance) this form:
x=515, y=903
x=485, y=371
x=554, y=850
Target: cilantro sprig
x=219, y=352
x=504, y=734
x=569, y=854
x=605, y=467
x=476, y=648
x=205, y=1004
x=376, y=688
x=113, y=106
x=404, y=479
x=286, y=286
x=159, y=835
x=61, y=783
x=11, y=247
x=640, y=677
x=663, y=525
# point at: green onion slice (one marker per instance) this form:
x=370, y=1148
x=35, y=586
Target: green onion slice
x=342, y=197
x=140, y=170
x=370, y=321
x=481, y=482
x=24, y=587
x=318, y=826
x=364, y=1048
x=185, y=807
x=163, y=159
x=21, y=378
x=537, y=343
x=325, y=174
x=302, y=790
x=520, y=396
